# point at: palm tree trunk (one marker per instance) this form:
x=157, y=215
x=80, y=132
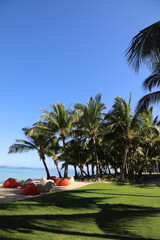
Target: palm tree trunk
x=100, y=170
x=143, y=164
x=42, y=157
x=159, y=167
x=96, y=158
x=75, y=171
x=92, y=170
x=56, y=164
x=123, y=169
x=126, y=168
x=87, y=169
x=107, y=168
x=81, y=170
x=66, y=160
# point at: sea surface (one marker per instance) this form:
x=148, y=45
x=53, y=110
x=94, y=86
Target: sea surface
x=23, y=173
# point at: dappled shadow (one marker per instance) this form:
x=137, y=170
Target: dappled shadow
x=113, y=216
x=67, y=200
x=109, y=218
x=70, y=199
x=149, y=186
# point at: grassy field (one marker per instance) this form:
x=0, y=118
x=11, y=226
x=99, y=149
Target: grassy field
x=97, y=211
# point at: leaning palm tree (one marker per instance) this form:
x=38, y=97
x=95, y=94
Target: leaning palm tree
x=37, y=142
x=59, y=121
x=90, y=123
x=52, y=150
x=145, y=48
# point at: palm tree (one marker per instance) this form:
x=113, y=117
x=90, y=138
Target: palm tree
x=59, y=121
x=112, y=150
x=124, y=126
x=145, y=48
x=150, y=134
x=52, y=150
x=90, y=123
x=37, y=142
x=78, y=154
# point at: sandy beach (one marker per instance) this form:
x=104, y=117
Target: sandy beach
x=13, y=194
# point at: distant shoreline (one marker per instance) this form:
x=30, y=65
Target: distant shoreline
x=26, y=172
x=23, y=167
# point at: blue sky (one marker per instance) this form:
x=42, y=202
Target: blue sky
x=65, y=51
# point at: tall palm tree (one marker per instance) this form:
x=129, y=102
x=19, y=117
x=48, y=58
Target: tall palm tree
x=37, y=142
x=145, y=48
x=150, y=134
x=124, y=126
x=59, y=121
x=90, y=123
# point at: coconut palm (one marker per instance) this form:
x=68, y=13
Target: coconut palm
x=59, y=121
x=154, y=155
x=90, y=123
x=145, y=48
x=113, y=152
x=78, y=154
x=37, y=142
x=150, y=134
x=124, y=126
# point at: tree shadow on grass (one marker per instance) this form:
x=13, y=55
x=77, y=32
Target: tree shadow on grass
x=122, y=194
x=65, y=200
x=9, y=238
x=40, y=215
x=118, y=219
x=108, y=220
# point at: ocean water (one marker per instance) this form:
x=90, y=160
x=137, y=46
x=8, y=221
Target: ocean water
x=22, y=173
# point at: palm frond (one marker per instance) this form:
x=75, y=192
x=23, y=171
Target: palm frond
x=27, y=143
x=145, y=47
x=147, y=100
x=44, y=110
x=40, y=130
x=19, y=148
x=152, y=81
x=151, y=131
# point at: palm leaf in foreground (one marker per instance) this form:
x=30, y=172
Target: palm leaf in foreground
x=147, y=100
x=145, y=47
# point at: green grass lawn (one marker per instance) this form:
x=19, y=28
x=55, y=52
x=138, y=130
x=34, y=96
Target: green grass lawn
x=97, y=211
